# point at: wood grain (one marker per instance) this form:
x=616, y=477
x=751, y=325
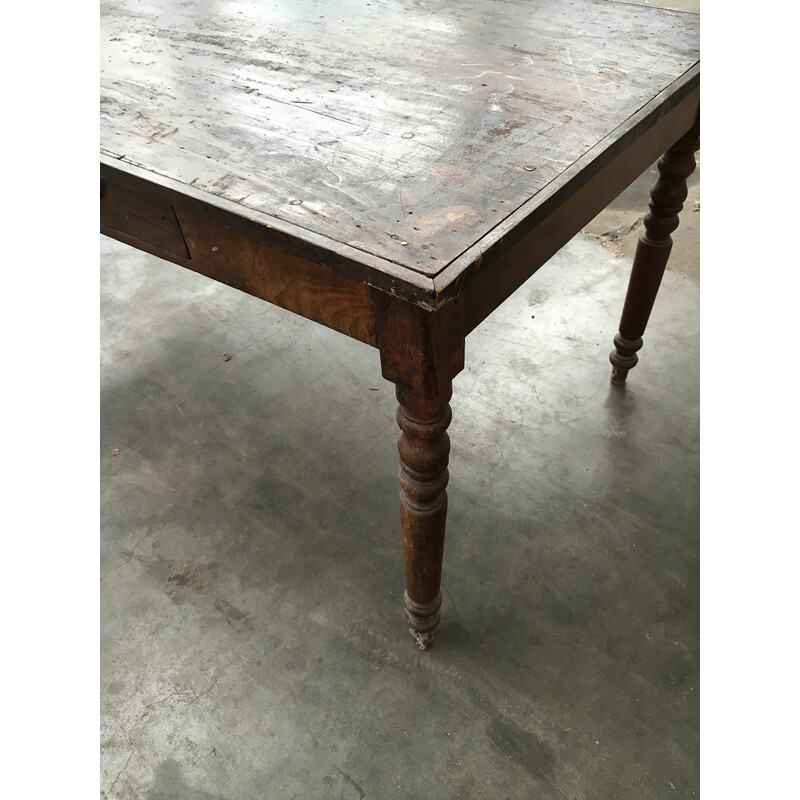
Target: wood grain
x=154, y=220
x=142, y=216
x=503, y=261
x=390, y=169
x=406, y=131
x=391, y=278
x=421, y=351
x=424, y=448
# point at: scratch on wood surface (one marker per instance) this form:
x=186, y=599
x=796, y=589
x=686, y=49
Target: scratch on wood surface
x=243, y=112
x=574, y=74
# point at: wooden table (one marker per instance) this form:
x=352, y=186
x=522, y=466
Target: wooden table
x=394, y=171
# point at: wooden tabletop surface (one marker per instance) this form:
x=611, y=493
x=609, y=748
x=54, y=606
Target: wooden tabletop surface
x=403, y=134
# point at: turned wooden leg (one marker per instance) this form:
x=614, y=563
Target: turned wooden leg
x=652, y=251
x=424, y=448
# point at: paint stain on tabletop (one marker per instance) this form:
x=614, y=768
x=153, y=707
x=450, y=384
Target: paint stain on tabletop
x=446, y=219
x=504, y=129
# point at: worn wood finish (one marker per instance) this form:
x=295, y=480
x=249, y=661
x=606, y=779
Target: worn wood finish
x=420, y=351
x=500, y=263
x=393, y=170
x=424, y=448
x=163, y=223
x=405, y=132
x=388, y=277
x=652, y=251
x=142, y=216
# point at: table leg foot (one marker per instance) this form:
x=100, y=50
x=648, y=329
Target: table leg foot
x=652, y=250
x=424, y=448
x=422, y=618
x=623, y=358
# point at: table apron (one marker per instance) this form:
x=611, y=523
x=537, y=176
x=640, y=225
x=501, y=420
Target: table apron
x=155, y=220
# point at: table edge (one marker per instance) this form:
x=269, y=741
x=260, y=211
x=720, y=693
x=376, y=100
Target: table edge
x=430, y=292
x=387, y=276
x=455, y=276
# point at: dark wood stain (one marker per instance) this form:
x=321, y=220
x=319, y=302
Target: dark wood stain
x=394, y=172
x=652, y=251
x=322, y=103
x=424, y=448
x=142, y=217
x=178, y=231
x=499, y=264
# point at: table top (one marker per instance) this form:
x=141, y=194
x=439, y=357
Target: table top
x=403, y=136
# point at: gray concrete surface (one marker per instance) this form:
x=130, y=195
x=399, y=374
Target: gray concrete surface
x=252, y=642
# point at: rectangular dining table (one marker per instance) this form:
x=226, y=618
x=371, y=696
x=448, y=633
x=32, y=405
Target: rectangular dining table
x=394, y=171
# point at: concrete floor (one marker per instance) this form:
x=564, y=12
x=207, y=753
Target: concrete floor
x=252, y=640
